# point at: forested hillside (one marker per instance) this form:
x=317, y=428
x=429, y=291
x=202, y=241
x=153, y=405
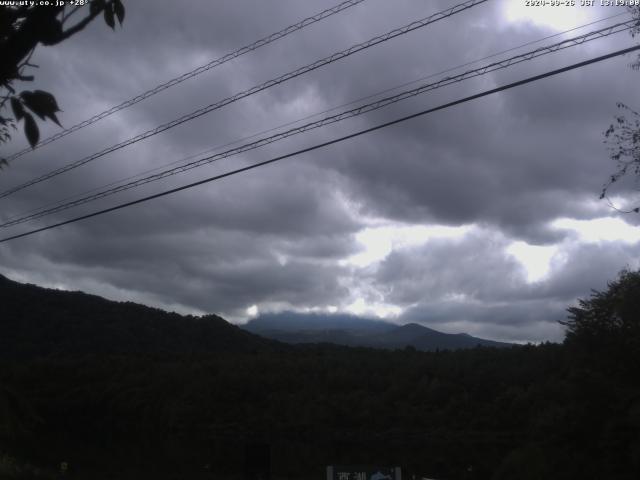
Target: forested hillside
x=528, y=412
x=40, y=322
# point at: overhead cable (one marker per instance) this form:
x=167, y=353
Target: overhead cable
x=258, y=88
x=369, y=107
x=307, y=117
x=197, y=71
x=330, y=142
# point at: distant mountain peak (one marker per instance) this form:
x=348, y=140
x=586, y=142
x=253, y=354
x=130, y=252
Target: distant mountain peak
x=290, y=321
x=351, y=330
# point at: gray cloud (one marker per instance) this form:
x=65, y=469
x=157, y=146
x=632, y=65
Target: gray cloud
x=531, y=321
x=277, y=237
x=474, y=282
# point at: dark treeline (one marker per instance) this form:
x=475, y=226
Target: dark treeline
x=549, y=411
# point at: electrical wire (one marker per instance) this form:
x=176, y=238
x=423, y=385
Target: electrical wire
x=572, y=42
x=197, y=71
x=299, y=120
x=332, y=142
x=258, y=88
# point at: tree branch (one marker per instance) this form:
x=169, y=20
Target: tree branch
x=80, y=25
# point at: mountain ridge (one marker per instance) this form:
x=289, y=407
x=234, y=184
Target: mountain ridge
x=42, y=322
x=303, y=328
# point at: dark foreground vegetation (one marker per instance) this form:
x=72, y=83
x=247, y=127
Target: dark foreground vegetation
x=138, y=408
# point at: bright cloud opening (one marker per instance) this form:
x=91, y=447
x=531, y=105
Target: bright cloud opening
x=376, y=309
x=378, y=242
x=536, y=259
x=607, y=229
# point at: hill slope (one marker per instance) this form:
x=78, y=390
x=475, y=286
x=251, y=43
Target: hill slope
x=36, y=321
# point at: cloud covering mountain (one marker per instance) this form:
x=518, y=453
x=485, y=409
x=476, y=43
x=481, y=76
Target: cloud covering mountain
x=481, y=218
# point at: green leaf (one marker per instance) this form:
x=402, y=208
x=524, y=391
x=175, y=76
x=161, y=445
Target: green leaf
x=108, y=16
x=42, y=104
x=118, y=8
x=16, y=106
x=31, y=129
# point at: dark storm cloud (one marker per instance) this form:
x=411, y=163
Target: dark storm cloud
x=517, y=159
x=474, y=283
x=276, y=237
x=475, y=265
x=586, y=267
x=478, y=266
x=534, y=321
x=208, y=270
x=221, y=251
x=489, y=165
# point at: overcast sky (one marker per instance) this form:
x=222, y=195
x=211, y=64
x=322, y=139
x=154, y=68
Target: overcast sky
x=483, y=218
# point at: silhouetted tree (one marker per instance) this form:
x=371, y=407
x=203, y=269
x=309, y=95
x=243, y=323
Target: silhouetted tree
x=22, y=29
x=609, y=314
x=623, y=135
x=119, y=390
x=605, y=329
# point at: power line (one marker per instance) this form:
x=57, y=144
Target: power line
x=334, y=141
x=258, y=88
x=332, y=119
x=571, y=42
x=307, y=117
x=197, y=71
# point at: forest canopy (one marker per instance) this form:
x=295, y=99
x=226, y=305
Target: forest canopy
x=551, y=410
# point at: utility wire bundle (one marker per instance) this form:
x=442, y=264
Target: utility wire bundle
x=195, y=72
x=327, y=120
x=258, y=88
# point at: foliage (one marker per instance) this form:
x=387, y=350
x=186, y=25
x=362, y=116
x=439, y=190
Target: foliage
x=43, y=322
x=605, y=329
x=635, y=13
x=22, y=29
x=623, y=135
x=11, y=469
x=113, y=400
x=502, y=412
x=608, y=316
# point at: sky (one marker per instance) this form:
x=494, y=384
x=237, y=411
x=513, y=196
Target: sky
x=482, y=218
